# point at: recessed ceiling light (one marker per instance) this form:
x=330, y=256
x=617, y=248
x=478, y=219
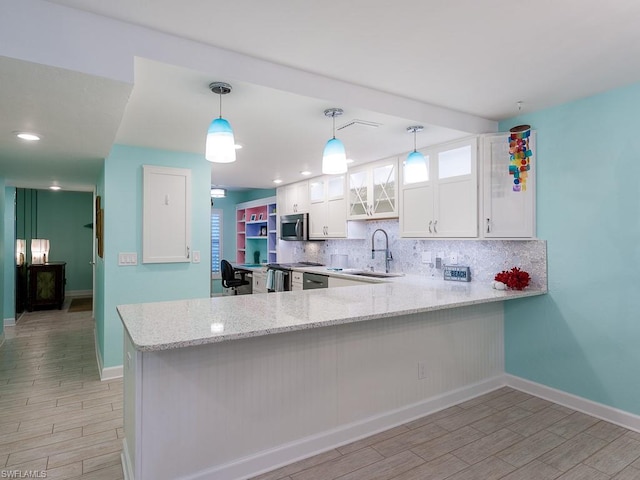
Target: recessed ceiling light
x=237, y=146
x=55, y=187
x=305, y=172
x=30, y=137
x=277, y=180
x=349, y=160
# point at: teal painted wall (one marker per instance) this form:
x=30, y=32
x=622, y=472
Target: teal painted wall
x=62, y=217
x=122, y=203
x=9, y=285
x=3, y=263
x=228, y=206
x=583, y=336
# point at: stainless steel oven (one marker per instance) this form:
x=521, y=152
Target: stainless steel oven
x=294, y=227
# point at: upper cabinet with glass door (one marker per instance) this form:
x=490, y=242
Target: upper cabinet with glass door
x=440, y=198
x=373, y=191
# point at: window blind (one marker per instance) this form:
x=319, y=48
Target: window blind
x=216, y=239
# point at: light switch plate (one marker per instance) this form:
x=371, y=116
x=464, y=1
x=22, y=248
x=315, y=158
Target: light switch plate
x=426, y=257
x=196, y=256
x=127, y=259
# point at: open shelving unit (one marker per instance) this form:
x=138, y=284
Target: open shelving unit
x=256, y=237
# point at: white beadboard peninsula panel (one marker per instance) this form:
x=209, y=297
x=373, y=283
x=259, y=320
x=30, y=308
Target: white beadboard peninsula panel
x=229, y=402
x=378, y=367
x=131, y=415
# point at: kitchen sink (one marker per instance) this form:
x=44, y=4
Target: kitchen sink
x=376, y=274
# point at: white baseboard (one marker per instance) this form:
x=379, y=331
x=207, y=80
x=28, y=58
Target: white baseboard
x=598, y=410
x=106, y=373
x=9, y=322
x=127, y=469
x=288, y=453
x=78, y=293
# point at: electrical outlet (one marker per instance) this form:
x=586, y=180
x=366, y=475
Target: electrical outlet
x=422, y=370
x=453, y=258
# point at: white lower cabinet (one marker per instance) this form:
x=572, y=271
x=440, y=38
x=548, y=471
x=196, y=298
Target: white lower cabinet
x=506, y=212
x=443, y=201
x=259, y=282
x=296, y=281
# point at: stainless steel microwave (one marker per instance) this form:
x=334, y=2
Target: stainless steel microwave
x=294, y=227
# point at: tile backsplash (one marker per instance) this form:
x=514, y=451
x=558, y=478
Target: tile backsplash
x=484, y=257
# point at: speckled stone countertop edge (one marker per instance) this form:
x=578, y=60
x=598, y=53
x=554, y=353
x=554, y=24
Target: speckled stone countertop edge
x=306, y=325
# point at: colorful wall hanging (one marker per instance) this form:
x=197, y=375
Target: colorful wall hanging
x=520, y=156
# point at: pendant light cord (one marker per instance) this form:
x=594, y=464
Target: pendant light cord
x=334, y=124
x=414, y=140
x=220, y=97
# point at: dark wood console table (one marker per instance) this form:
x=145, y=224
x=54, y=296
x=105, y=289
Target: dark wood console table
x=46, y=285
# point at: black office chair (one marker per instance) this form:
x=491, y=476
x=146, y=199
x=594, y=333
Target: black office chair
x=229, y=279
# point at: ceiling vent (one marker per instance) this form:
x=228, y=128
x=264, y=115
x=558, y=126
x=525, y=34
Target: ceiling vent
x=360, y=124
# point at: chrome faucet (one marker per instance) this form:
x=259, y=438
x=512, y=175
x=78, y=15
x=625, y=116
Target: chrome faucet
x=387, y=254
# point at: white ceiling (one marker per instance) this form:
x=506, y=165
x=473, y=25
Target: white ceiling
x=464, y=55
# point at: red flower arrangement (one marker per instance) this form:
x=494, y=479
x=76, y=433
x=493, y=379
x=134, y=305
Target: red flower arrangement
x=515, y=278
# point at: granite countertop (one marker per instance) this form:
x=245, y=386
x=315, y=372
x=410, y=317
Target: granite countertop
x=184, y=323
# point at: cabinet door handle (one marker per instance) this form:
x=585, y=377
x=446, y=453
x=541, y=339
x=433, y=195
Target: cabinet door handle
x=430, y=222
x=188, y=252
x=488, y=226
x=435, y=230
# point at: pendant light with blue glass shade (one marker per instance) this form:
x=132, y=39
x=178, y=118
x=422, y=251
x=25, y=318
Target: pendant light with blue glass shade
x=220, y=147
x=415, y=166
x=334, y=157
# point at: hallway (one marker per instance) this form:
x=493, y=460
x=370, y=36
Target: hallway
x=55, y=413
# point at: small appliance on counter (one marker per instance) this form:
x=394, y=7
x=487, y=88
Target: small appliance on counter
x=339, y=261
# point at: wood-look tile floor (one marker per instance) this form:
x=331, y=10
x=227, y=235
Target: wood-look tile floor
x=506, y=434
x=56, y=416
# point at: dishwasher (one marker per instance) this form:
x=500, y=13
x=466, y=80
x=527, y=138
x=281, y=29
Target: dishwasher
x=314, y=280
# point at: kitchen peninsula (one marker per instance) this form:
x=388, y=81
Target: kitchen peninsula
x=228, y=387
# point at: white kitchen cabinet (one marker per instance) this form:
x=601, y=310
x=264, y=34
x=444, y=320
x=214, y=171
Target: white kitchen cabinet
x=293, y=198
x=445, y=203
x=506, y=213
x=328, y=210
x=297, y=281
x=166, y=215
x=373, y=191
x=259, y=282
